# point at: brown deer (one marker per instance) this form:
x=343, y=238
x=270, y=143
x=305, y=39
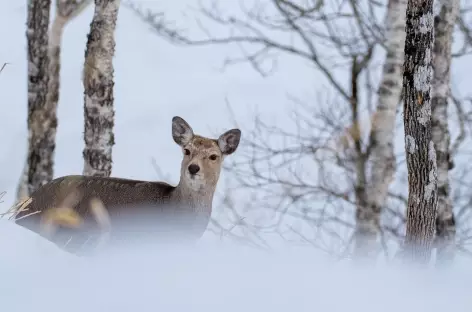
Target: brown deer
x=73, y=211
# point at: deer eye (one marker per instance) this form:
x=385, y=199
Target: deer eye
x=187, y=152
x=213, y=157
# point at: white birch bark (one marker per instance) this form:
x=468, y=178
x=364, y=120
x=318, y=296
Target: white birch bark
x=98, y=89
x=40, y=145
x=65, y=11
x=382, y=155
x=445, y=223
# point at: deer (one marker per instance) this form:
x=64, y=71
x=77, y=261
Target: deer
x=76, y=210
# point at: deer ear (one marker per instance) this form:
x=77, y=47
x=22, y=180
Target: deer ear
x=182, y=133
x=229, y=141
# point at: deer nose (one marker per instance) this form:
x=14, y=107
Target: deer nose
x=193, y=168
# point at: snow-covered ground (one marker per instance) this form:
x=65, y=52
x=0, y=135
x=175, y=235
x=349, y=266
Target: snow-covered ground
x=36, y=276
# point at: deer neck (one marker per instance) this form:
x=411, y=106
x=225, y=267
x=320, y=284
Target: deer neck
x=198, y=201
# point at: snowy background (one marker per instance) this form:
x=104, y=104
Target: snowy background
x=155, y=81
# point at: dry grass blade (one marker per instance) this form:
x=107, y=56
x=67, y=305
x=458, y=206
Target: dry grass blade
x=20, y=206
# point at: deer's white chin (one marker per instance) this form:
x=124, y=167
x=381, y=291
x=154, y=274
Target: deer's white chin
x=195, y=182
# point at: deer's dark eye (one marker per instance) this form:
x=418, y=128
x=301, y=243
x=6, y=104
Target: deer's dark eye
x=213, y=157
x=187, y=152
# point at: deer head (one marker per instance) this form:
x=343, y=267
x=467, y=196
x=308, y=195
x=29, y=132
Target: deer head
x=202, y=157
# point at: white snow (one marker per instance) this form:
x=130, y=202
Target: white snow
x=23, y=248
x=36, y=276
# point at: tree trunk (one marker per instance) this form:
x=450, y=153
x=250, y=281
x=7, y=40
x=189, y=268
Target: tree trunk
x=382, y=155
x=71, y=8
x=419, y=146
x=98, y=85
x=445, y=224
x=41, y=144
x=22, y=189
x=65, y=11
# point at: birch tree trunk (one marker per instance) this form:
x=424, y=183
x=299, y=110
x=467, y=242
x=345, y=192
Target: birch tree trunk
x=98, y=93
x=445, y=224
x=419, y=146
x=382, y=155
x=40, y=143
x=65, y=11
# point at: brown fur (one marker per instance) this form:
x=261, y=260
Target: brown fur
x=184, y=209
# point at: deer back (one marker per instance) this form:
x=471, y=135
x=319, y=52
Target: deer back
x=133, y=206
x=113, y=192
